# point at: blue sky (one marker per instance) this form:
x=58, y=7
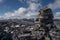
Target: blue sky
x=11, y=9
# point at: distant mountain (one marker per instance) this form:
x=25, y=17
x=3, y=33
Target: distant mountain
x=9, y=20
x=31, y=21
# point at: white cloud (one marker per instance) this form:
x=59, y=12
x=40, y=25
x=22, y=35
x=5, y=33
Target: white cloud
x=33, y=6
x=54, y=5
x=14, y=14
x=29, y=12
x=1, y=1
x=57, y=15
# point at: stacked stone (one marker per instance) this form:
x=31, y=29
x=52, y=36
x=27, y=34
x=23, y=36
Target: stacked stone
x=44, y=23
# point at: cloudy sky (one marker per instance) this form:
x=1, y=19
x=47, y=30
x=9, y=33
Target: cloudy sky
x=17, y=9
